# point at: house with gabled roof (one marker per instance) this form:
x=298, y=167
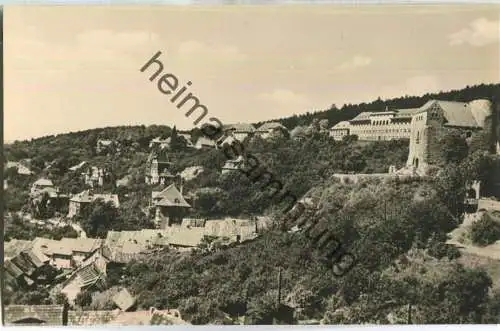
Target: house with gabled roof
x=240, y=131
x=160, y=143
x=25, y=264
x=87, y=277
x=41, y=184
x=205, y=143
x=81, y=202
x=340, y=130
x=170, y=207
x=271, y=130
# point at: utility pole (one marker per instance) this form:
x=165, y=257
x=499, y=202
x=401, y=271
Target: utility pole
x=279, y=286
x=385, y=210
x=409, y=313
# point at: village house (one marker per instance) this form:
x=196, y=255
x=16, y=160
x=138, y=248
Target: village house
x=170, y=207
x=67, y=253
x=25, y=265
x=187, y=138
x=239, y=131
x=81, y=202
x=272, y=130
x=232, y=165
x=45, y=188
x=340, y=130
x=205, y=143
x=41, y=185
x=21, y=168
x=37, y=261
x=158, y=170
x=89, y=277
x=94, y=176
x=160, y=143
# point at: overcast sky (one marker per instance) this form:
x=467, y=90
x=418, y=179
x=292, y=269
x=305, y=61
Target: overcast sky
x=75, y=68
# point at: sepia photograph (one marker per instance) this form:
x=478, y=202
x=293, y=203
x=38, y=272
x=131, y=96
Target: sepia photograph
x=251, y=165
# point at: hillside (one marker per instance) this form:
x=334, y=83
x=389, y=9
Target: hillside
x=396, y=228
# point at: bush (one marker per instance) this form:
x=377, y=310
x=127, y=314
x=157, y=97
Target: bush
x=485, y=231
x=83, y=299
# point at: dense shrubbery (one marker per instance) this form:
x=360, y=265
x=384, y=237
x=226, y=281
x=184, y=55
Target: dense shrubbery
x=485, y=231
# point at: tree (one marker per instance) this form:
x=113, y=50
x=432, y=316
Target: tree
x=454, y=148
x=83, y=299
x=103, y=217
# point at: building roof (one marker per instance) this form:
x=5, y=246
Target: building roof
x=105, y=142
x=271, y=126
x=88, y=197
x=409, y=112
x=240, y=127
x=33, y=314
x=190, y=173
x=170, y=197
x=362, y=116
x=23, y=170
x=84, y=276
x=231, y=228
x=204, y=141
x=12, y=269
x=186, y=136
x=456, y=113
x=186, y=237
x=124, y=300
x=44, y=182
x=341, y=125
x=228, y=140
x=66, y=246
x=78, y=166
x=14, y=247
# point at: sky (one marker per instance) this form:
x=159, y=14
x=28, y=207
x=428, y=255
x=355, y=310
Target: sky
x=71, y=68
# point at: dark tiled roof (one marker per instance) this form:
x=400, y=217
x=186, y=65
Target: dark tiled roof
x=32, y=315
x=171, y=197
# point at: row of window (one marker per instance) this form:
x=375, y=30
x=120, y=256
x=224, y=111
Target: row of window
x=384, y=131
x=386, y=122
